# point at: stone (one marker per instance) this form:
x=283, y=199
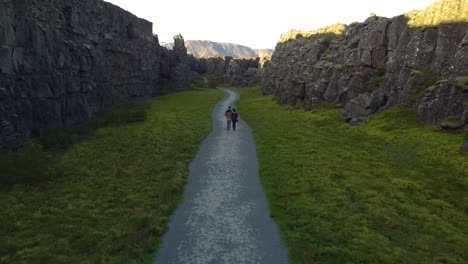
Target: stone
x=443, y=105
x=6, y=63
x=3, y=93
x=357, y=109
x=63, y=61
x=380, y=63
x=238, y=72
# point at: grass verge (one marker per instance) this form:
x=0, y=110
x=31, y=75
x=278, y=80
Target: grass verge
x=388, y=191
x=112, y=190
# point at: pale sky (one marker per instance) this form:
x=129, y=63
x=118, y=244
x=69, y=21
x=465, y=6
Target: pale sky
x=255, y=23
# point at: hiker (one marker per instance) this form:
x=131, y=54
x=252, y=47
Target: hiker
x=228, y=115
x=235, y=118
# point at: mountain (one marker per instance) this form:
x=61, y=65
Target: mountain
x=206, y=49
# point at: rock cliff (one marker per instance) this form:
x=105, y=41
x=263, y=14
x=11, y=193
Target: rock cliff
x=61, y=61
x=238, y=72
x=417, y=60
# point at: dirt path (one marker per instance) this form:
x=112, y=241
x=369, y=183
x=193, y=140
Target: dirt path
x=224, y=217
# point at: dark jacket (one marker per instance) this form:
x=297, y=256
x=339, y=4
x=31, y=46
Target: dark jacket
x=235, y=116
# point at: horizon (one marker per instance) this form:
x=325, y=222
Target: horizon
x=207, y=40
x=264, y=22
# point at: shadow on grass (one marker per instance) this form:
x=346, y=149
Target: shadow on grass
x=33, y=162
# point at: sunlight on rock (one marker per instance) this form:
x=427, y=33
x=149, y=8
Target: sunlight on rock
x=336, y=29
x=441, y=12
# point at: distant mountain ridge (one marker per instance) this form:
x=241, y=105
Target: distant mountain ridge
x=206, y=49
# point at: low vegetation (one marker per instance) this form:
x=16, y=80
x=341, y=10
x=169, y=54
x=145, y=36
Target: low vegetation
x=30, y=164
x=377, y=81
x=461, y=82
x=426, y=78
x=205, y=81
x=106, y=189
x=388, y=191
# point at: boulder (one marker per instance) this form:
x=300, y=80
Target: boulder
x=358, y=109
x=444, y=104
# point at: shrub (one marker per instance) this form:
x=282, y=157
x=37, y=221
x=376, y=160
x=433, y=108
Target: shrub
x=461, y=82
x=426, y=78
x=205, y=81
x=60, y=137
x=377, y=81
x=257, y=80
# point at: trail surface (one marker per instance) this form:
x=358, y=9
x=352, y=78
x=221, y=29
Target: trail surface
x=224, y=217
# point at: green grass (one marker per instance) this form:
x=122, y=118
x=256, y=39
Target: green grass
x=118, y=116
x=112, y=190
x=30, y=164
x=388, y=191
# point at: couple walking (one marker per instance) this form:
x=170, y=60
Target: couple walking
x=232, y=117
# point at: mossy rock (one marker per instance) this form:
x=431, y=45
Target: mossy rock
x=431, y=88
x=320, y=65
x=415, y=72
x=339, y=67
x=299, y=78
x=465, y=43
x=375, y=83
x=451, y=122
x=328, y=57
x=329, y=65
x=325, y=41
x=461, y=83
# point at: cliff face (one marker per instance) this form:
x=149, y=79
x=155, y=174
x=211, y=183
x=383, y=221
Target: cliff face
x=238, y=72
x=61, y=61
x=417, y=60
x=176, y=73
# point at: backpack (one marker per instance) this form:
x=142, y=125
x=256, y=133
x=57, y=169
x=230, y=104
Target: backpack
x=228, y=114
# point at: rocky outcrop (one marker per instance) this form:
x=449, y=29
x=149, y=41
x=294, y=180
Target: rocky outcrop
x=176, y=73
x=418, y=60
x=61, y=61
x=237, y=72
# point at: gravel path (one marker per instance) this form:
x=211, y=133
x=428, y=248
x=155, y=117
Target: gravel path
x=224, y=217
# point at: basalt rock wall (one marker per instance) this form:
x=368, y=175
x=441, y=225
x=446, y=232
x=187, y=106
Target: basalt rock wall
x=237, y=72
x=61, y=61
x=417, y=60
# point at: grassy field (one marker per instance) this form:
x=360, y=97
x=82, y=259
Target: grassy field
x=388, y=191
x=102, y=193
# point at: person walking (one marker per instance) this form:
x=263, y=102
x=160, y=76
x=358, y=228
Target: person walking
x=228, y=115
x=235, y=118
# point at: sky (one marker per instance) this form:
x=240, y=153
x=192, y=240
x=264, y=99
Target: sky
x=256, y=23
